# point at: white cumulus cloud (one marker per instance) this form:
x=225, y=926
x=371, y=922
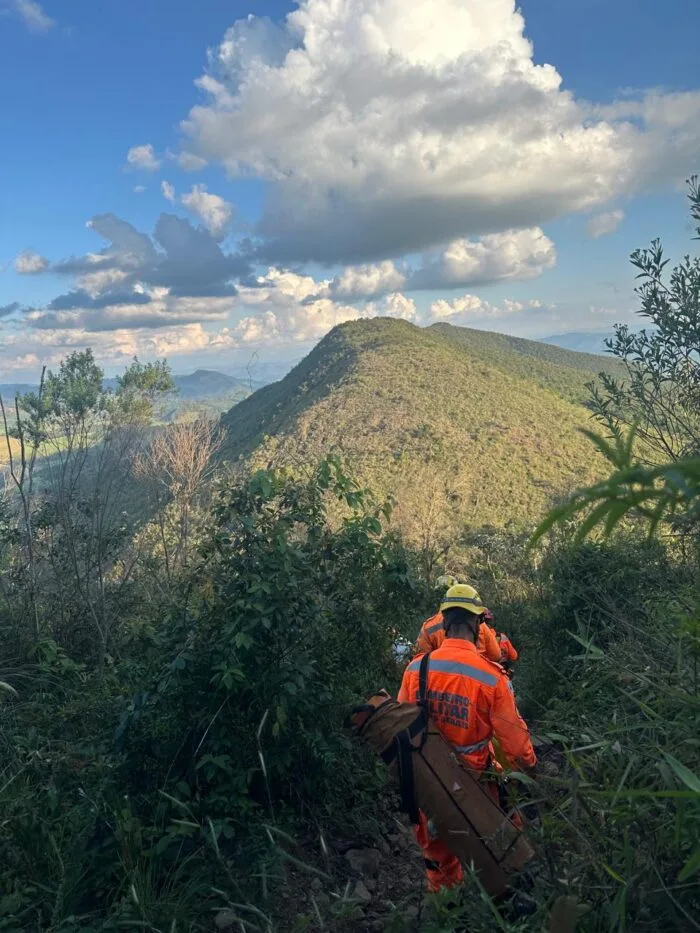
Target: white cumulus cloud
x=189, y=162
x=29, y=263
x=367, y=280
x=214, y=212
x=514, y=254
x=112, y=348
x=168, y=191
x=603, y=224
x=472, y=306
x=387, y=127
x=286, y=307
x=395, y=305
x=143, y=157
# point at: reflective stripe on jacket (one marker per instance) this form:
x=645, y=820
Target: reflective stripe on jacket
x=432, y=635
x=470, y=701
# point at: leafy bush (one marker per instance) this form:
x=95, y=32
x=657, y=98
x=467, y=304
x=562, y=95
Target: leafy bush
x=659, y=394
x=174, y=769
x=613, y=677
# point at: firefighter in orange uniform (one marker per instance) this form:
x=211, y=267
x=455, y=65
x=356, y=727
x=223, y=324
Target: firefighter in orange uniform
x=432, y=633
x=471, y=701
x=509, y=655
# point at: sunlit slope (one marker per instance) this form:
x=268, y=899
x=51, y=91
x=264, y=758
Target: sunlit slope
x=401, y=403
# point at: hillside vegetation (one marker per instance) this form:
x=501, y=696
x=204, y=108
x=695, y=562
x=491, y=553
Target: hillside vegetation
x=6, y=452
x=565, y=372
x=483, y=424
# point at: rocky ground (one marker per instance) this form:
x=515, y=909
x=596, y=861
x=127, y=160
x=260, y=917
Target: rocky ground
x=359, y=887
x=371, y=888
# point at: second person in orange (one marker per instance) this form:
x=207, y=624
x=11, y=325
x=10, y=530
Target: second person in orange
x=432, y=635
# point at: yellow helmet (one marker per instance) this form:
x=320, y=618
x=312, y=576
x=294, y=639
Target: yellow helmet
x=463, y=596
x=445, y=581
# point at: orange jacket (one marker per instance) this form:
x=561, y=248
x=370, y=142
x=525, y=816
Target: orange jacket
x=508, y=652
x=432, y=635
x=471, y=701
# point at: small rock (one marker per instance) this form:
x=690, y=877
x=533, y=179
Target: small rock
x=361, y=894
x=364, y=862
x=225, y=919
x=317, y=884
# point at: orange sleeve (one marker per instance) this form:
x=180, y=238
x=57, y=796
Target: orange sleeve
x=427, y=640
x=488, y=643
x=508, y=648
x=510, y=728
x=423, y=643
x=408, y=692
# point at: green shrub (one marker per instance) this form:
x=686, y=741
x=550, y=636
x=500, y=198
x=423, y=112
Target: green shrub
x=181, y=768
x=609, y=679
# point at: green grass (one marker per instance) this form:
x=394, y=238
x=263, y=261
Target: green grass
x=4, y=454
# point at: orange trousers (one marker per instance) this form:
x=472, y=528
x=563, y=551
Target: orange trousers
x=442, y=868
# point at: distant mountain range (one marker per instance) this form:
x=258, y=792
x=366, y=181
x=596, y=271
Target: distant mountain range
x=10, y=389
x=487, y=423
x=205, y=383
x=583, y=342
x=205, y=392
x=263, y=373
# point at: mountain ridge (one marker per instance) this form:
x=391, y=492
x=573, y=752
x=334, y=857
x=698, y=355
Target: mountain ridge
x=491, y=421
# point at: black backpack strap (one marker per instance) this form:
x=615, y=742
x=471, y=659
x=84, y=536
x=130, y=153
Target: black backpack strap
x=402, y=748
x=407, y=784
x=423, y=681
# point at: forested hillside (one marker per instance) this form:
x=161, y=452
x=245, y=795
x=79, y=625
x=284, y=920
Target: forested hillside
x=480, y=428
x=565, y=372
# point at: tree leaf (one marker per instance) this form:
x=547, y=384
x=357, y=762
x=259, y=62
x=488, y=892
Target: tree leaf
x=690, y=867
x=688, y=777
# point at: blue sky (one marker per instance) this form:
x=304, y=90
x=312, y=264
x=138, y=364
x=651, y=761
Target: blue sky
x=455, y=163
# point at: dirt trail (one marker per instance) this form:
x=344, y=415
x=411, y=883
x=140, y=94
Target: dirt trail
x=373, y=887
x=366, y=887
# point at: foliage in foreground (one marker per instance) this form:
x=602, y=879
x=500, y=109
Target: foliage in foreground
x=610, y=639
x=660, y=394
x=128, y=793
